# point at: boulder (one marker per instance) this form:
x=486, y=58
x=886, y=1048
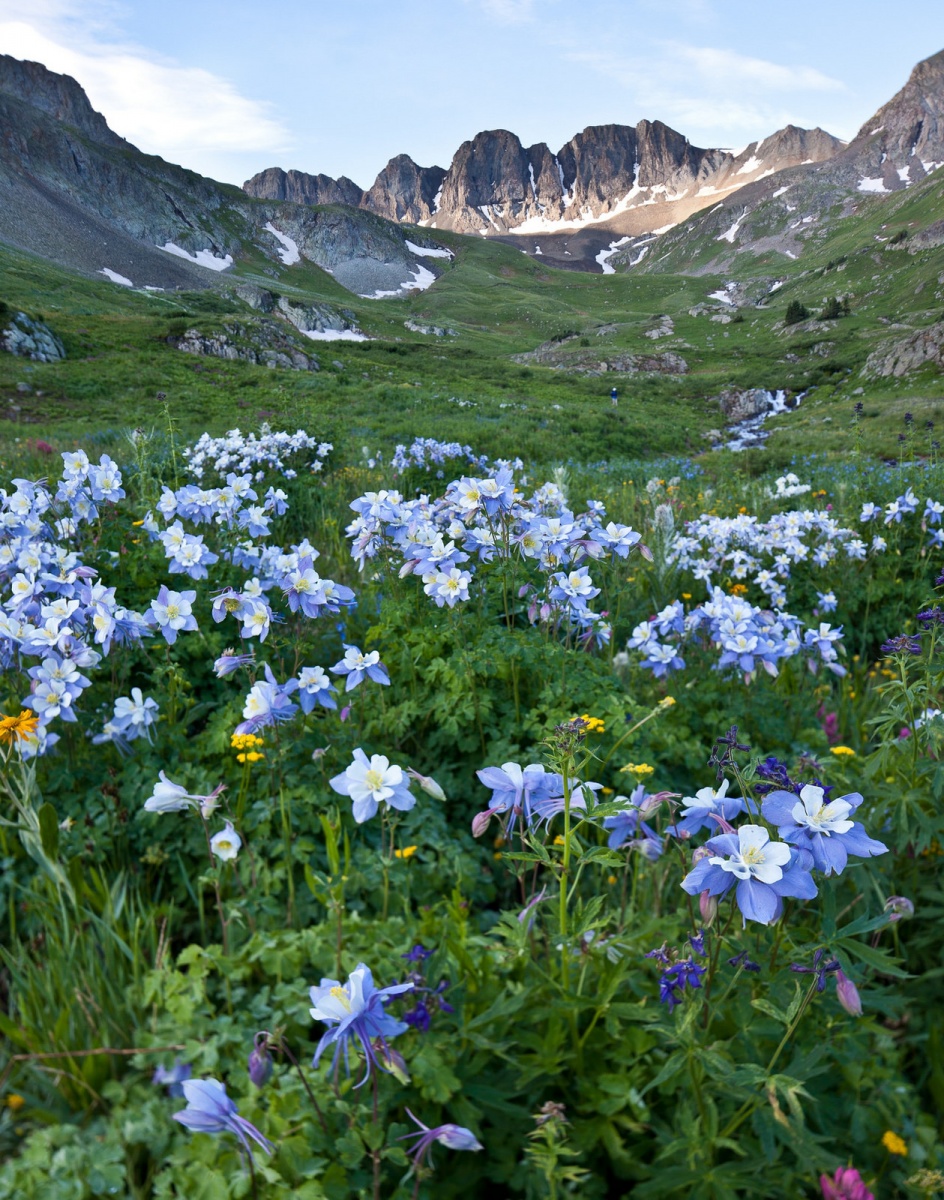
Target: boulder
x=29, y=338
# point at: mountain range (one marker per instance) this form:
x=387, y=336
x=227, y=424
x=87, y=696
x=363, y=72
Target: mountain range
x=613, y=197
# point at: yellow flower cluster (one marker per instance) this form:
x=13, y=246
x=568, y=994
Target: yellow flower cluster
x=640, y=770
x=842, y=751
x=406, y=852
x=19, y=728
x=739, y=589
x=247, y=743
x=15, y=1102
x=593, y=724
x=894, y=1144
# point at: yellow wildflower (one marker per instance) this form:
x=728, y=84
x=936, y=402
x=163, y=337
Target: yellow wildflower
x=686, y=595
x=559, y=841
x=739, y=589
x=593, y=724
x=640, y=770
x=406, y=852
x=611, y=879
x=843, y=751
x=894, y=1144
x=250, y=756
x=15, y=1102
x=245, y=741
x=666, y=701
x=19, y=728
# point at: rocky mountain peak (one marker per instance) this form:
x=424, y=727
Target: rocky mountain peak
x=905, y=138
x=57, y=95
x=404, y=191
x=301, y=188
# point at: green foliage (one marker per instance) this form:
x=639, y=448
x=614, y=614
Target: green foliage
x=795, y=313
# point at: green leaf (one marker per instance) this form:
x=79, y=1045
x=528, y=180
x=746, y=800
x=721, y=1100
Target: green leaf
x=49, y=830
x=771, y=1010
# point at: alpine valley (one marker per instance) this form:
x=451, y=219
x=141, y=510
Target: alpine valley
x=517, y=276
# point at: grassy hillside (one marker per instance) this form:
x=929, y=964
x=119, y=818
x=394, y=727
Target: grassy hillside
x=502, y=303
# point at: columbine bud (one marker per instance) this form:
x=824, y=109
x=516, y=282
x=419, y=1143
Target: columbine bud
x=708, y=907
x=898, y=907
x=480, y=822
x=848, y=994
x=699, y=853
x=427, y=784
x=260, y=1061
x=651, y=803
x=456, y=1137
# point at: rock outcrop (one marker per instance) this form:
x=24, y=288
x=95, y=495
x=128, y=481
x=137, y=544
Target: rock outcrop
x=299, y=188
x=567, y=354
x=262, y=342
x=900, y=356
x=25, y=336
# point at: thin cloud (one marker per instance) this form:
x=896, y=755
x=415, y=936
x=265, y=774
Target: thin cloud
x=508, y=12
x=727, y=68
x=184, y=114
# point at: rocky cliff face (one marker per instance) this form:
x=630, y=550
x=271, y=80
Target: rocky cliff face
x=630, y=179
x=299, y=188
x=404, y=191
x=900, y=147
x=59, y=96
x=73, y=191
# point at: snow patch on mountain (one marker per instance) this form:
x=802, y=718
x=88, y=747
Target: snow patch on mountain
x=203, y=258
x=289, y=253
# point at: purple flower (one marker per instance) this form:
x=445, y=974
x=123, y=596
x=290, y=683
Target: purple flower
x=172, y=1078
x=825, y=830
x=846, y=1184
x=229, y=661
x=517, y=789
x=903, y=644
x=260, y=1061
x=454, y=1137
x=819, y=968
x=848, y=994
x=629, y=824
x=676, y=978
x=210, y=1110
x=355, y=1012
x=763, y=872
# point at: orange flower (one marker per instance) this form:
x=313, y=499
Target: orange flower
x=19, y=728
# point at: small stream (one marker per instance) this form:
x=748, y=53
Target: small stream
x=750, y=432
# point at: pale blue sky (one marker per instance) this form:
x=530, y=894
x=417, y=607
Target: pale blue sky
x=227, y=87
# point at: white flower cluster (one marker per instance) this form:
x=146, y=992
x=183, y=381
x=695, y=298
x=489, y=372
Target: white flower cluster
x=249, y=452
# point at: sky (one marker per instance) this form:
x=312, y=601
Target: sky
x=230, y=87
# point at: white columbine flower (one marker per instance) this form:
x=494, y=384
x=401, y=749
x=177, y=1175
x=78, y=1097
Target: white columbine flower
x=226, y=844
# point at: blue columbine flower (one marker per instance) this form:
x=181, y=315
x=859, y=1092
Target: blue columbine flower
x=358, y=667
x=517, y=789
x=629, y=824
x=764, y=872
x=210, y=1110
x=825, y=830
x=356, y=1011
x=699, y=809
x=173, y=1078
x=371, y=782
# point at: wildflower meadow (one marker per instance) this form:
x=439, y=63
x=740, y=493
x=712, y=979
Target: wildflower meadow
x=413, y=823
